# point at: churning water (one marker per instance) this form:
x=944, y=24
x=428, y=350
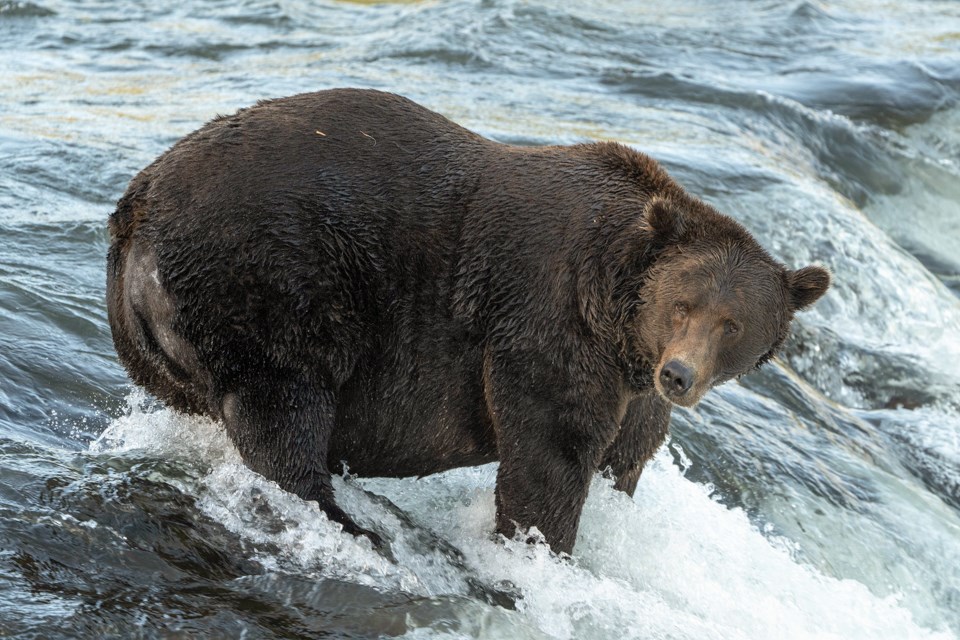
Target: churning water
x=818, y=498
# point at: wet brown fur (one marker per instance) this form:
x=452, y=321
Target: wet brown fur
x=405, y=296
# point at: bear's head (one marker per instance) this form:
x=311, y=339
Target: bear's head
x=713, y=304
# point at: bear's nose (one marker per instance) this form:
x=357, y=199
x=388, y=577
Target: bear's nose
x=676, y=378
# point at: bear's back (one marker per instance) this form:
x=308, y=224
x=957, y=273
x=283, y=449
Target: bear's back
x=323, y=152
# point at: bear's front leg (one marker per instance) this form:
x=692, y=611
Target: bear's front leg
x=642, y=431
x=549, y=443
x=282, y=429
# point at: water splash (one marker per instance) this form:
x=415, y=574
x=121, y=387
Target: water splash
x=671, y=563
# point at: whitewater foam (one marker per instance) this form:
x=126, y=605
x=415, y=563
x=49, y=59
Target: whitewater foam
x=673, y=562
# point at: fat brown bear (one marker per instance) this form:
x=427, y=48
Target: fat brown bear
x=347, y=277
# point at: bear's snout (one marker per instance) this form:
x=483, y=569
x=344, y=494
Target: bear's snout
x=676, y=379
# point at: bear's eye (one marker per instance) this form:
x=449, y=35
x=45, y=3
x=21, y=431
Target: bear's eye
x=681, y=310
x=731, y=328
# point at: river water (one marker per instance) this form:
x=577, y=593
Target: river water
x=819, y=498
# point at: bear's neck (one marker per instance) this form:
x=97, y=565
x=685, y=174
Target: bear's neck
x=639, y=375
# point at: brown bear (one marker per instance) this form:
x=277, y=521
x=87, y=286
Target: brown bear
x=347, y=277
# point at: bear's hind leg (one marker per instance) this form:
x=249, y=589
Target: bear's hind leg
x=282, y=430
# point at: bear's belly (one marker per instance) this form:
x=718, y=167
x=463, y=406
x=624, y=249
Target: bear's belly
x=415, y=411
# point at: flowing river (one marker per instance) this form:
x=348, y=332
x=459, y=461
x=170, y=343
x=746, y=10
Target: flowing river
x=818, y=498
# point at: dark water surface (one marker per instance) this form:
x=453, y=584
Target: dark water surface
x=818, y=498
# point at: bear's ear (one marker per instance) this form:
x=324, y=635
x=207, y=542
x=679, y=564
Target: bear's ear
x=806, y=285
x=666, y=220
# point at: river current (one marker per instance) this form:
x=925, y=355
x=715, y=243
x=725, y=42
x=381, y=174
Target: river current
x=818, y=498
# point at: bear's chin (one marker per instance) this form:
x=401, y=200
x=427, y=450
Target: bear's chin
x=687, y=403
x=688, y=400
